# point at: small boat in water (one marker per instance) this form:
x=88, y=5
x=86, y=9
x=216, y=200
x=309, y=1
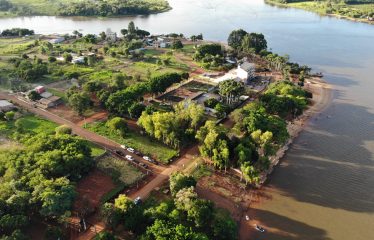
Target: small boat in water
x=259, y=228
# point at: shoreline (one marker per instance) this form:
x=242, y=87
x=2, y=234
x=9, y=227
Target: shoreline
x=283, y=5
x=322, y=98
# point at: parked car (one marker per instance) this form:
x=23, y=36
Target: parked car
x=138, y=201
x=119, y=152
x=143, y=165
x=130, y=158
x=138, y=153
x=123, y=146
x=136, y=161
x=150, y=160
x=131, y=150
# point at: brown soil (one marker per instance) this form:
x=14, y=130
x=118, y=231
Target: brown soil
x=94, y=118
x=66, y=113
x=92, y=188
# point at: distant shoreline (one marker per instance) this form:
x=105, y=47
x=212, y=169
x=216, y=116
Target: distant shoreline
x=285, y=5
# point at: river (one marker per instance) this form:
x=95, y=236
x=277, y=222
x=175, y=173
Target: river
x=324, y=187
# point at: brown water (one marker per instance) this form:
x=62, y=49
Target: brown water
x=324, y=188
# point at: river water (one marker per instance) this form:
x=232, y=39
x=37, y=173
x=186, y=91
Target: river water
x=324, y=187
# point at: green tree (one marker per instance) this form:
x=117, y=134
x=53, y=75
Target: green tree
x=80, y=102
x=102, y=36
x=68, y=57
x=177, y=44
x=10, y=115
x=63, y=129
x=56, y=196
x=117, y=125
x=131, y=28
x=184, y=199
x=235, y=38
x=249, y=173
x=104, y=236
x=179, y=181
x=224, y=228
x=201, y=213
x=33, y=96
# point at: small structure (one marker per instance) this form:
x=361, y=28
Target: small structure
x=49, y=102
x=6, y=106
x=39, y=89
x=57, y=40
x=46, y=94
x=111, y=36
x=161, y=43
x=78, y=60
x=246, y=72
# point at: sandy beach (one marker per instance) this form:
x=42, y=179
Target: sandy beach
x=322, y=97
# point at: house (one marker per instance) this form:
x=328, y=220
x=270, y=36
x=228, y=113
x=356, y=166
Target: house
x=246, y=72
x=46, y=94
x=111, y=36
x=57, y=40
x=161, y=43
x=49, y=102
x=6, y=106
x=78, y=60
x=39, y=89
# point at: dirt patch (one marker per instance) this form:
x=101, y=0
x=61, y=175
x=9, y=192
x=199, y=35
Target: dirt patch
x=92, y=188
x=65, y=112
x=100, y=116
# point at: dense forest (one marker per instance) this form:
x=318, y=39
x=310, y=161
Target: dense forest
x=83, y=7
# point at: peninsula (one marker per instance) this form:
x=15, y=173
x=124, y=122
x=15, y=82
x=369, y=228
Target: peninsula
x=355, y=10
x=90, y=8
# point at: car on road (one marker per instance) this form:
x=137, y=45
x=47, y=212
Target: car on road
x=138, y=153
x=138, y=201
x=144, y=165
x=119, y=152
x=130, y=158
x=150, y=160
x=123, y=146
x=131, y=150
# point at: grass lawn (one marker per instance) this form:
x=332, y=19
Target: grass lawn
x=144, y=144
x=58, y=93
x=39, y=125
x=121, y=171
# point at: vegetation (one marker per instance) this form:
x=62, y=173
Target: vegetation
x=354, y=9
x=16, y=32
x=132, y=139
x=185, y=216
x=40, y=176
x=176, y=128
x=120, y=171
x=82, y=8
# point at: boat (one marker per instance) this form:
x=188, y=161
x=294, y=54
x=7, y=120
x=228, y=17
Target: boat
x=259, y=228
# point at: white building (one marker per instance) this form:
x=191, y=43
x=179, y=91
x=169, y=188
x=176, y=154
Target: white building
x=111, y=36
x=57, y=40
x=246, y=72
x=6, y=106
x=77, y=60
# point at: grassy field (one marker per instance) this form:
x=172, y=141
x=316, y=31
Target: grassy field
x=142, y=143
x=31, y=123
x=121, y=171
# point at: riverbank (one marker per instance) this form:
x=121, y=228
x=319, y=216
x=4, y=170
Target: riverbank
x=321, y=9
x=322, y=98
x=63, y=8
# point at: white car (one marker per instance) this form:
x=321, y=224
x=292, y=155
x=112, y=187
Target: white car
x=131, y=150
x=147, y=158
x=130, y=158
x=123, y=146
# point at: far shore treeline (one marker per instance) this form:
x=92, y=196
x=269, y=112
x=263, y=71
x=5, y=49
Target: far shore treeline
x=104, y=8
